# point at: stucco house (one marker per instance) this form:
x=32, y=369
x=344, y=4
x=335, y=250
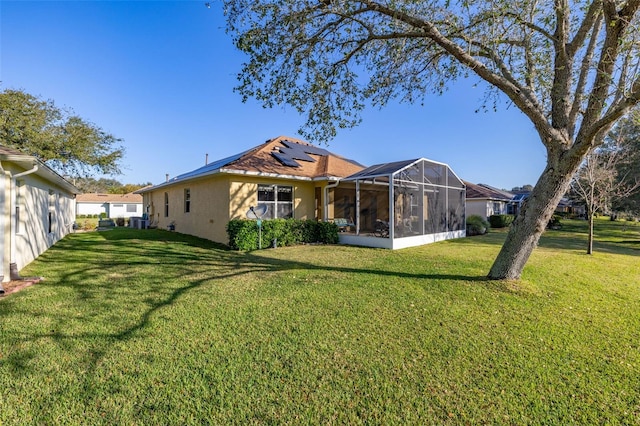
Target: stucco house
x=285, y=174
x=112, y=205
x=37, y=207
x=484, y=200
x=290, y=178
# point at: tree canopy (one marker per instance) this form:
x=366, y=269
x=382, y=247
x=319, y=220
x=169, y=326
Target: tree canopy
x=570, y=66
x=62, y=140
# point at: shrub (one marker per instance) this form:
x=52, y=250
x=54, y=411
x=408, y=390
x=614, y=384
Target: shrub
x=244, y=234
x=327, y=232
x=120, y=221
x=500, y=220
x=555, y=222
x=477, y=225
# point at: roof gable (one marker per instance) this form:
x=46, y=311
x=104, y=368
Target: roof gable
x=485, y=192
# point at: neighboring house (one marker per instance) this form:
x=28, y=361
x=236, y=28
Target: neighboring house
x=289, y=178
x=112, y=205
x=565, y=207
x=38, y=209
x=484, y=200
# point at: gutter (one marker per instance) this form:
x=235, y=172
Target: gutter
x=4, y=174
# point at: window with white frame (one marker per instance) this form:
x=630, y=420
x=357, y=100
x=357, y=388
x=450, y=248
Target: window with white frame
x=19, y=198
x=132, y=208
x=278, y=199
x=187, y=200
x=166, y=204
x=52, y=206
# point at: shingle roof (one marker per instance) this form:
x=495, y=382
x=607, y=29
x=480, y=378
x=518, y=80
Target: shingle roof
x=109, y=198
x=10, y=151
x=28, y=161
x=484, y=191
x=283, y=156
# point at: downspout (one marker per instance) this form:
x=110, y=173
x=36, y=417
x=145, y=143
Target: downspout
x=4, y=174
x=13, y=267
x=392, y=212
x=357, y=207
x=326, y=198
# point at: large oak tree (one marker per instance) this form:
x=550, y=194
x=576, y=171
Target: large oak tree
x=570, y=66
x=64, y=141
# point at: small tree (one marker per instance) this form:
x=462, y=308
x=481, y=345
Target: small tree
x=628, y=131
x=598, y=182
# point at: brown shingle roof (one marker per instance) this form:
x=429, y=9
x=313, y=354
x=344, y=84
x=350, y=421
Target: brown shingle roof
x=283, y=157
x=481, y=192
x=324, y=164
x=109, y=198
x=10, y=151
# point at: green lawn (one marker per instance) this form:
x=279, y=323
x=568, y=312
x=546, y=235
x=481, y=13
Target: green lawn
x=153, y=327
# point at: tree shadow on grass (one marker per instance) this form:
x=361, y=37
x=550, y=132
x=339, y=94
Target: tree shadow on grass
x=151, y=270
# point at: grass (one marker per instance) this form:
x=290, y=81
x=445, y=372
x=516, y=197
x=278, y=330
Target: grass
x=153, y=327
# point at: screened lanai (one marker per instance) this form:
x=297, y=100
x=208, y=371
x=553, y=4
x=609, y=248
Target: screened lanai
x=399, y=204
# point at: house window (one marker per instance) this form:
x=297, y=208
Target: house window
x=496, y=208
x=118, y=205
x=187, y=200
x=52, y=205
x=166, y=204
x=132, y=208
x=19, y=190
x=278, y=199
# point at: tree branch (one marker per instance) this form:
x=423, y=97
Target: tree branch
x=514, y=92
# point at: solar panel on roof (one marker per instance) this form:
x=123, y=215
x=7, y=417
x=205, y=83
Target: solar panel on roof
x=284, y=159
x=293, y=151
x=309, y=149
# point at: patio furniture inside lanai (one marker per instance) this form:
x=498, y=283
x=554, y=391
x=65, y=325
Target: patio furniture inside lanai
x=400, y=204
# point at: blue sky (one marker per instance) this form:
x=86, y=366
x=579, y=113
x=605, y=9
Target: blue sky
x=160, y=75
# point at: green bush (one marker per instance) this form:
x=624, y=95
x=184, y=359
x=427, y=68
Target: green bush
x=501, y=220
x=477, y=225
x=555, y=222
x=327, y=232
x=244, y=234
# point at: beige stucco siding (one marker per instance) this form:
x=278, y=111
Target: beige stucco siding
x=217, y=199
x=208, y=211
x=244, y=194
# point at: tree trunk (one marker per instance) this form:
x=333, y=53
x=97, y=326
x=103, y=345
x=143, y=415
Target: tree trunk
x=532, y=220
x=590, y=242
